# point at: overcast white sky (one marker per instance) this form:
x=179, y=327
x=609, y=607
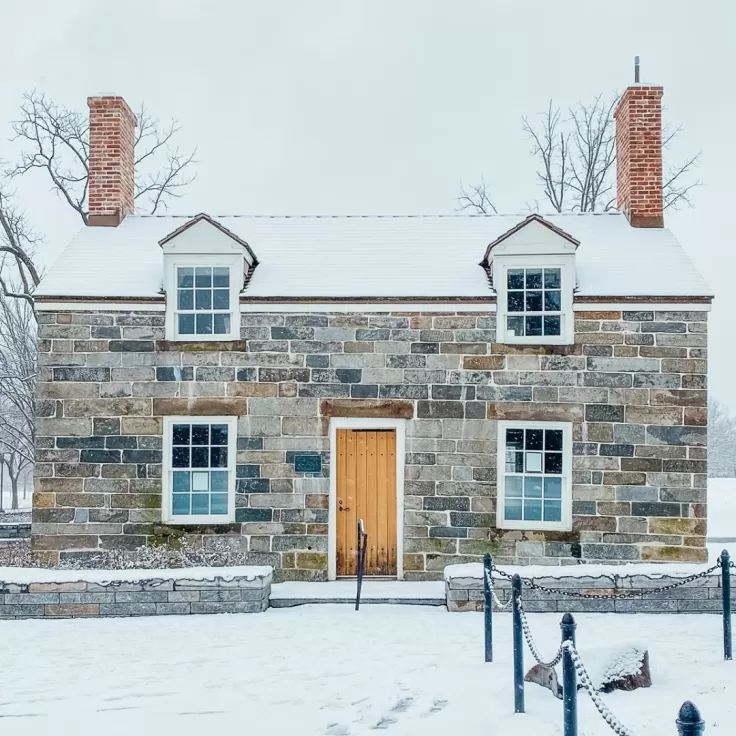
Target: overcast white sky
x=384, y=106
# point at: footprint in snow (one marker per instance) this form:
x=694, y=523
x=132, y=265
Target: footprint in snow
x=402, y=705
x=437, y=706
x=384, y=723
x=337, y=729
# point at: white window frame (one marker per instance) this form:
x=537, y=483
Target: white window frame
x=565, y=523
x=167, y=515
x=502, y=265
x=188, y=260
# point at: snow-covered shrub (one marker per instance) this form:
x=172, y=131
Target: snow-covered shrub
x=218, y=552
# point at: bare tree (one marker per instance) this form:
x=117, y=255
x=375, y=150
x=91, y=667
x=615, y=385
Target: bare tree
x=17, y=389
x=721, y=441
x=476, y=199
x=56, y=140
x=576, y=155
x=17, y=250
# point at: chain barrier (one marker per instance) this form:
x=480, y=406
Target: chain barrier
x=500, y=606
x=585, y=680
x=531, y=644
x=612, y=596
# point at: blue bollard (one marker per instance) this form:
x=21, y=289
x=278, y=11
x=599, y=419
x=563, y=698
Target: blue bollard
x=569, y=679
x=518, y=648
x=726, y=591
x=487, y=607
x=689, y=721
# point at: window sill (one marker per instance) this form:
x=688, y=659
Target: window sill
x=538, y=342
x=534, y=526
x=234, y=345
x=209, y=521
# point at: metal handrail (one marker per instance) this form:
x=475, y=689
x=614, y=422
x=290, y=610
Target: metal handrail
x=362, y=549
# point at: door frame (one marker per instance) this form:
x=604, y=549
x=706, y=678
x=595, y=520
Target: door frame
x=399, y=425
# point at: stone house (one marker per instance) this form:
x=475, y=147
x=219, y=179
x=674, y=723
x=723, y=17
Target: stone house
x=530, y=386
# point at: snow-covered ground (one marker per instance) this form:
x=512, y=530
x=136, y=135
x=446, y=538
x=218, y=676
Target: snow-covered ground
x=329, y=670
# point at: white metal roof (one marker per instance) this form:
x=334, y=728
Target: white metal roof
x=376, y=256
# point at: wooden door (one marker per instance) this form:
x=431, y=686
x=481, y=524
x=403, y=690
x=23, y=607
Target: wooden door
x=366, y=489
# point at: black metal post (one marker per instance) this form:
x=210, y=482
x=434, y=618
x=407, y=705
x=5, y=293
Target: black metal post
x=569, y=679
x=362, y=546
x=689, y=721
x=518, y=648
x=487, y=607
x=726, y=591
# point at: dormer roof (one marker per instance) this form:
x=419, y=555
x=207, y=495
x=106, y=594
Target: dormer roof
x=533, y=235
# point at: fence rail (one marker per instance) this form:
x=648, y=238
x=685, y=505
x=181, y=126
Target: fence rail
x=689, y=721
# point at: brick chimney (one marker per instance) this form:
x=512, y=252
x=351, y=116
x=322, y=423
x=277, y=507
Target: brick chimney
x=639, y=155
x=111, y=160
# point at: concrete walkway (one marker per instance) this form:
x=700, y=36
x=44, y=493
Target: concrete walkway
x=285, y=595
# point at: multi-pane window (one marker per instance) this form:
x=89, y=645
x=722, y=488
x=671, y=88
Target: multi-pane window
x=534, y=302
x=534, y=475
x=203, y=300
x=199, y=467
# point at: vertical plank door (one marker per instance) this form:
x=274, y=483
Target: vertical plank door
x=366, y=489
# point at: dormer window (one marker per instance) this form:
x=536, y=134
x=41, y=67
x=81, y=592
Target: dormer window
x=532, y=267
x=533, y=302
x=204, y=304
x=205, y=269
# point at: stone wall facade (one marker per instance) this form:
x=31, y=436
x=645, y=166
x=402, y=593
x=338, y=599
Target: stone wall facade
x=633, y=384
x=704, y=595
x=150, y=596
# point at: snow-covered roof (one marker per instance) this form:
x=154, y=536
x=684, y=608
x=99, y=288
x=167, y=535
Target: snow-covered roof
x=376, y=256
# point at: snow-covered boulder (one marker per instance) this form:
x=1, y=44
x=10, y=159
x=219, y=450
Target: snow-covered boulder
x=624, y=667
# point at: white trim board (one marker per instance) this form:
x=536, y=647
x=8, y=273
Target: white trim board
x=363, y=423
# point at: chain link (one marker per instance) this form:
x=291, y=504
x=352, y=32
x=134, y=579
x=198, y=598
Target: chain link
x=616, y=726
x=530, y=640
x=500, y=606
x=610, y=596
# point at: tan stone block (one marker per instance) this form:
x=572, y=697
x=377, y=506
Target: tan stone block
x=674, y=554
x=107, y=407
x=247, y=389
x=484, y=362
x=205, y=406
x=529, y=411
x=679, y=397
x=383, y=408
x=662, y=525
x=230, y=346
x=413, y=562
x=72, y=610
x=696, y=416
x=583, y=314
x=142, y=425
x=78, y=587
x=58, y=485
x=670, y=416
x=44, y=500
x=311, y=560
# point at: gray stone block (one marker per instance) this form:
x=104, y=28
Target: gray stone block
x=128, y=609
x=25, y=599
x=183, y=596
x=150, y=596
x=225, y=595
x=86, y=598
x=168, y=609
x=639, y=605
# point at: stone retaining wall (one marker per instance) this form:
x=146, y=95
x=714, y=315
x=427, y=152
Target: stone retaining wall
x=149, y=596
x=700, y=596
x=15, y=531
